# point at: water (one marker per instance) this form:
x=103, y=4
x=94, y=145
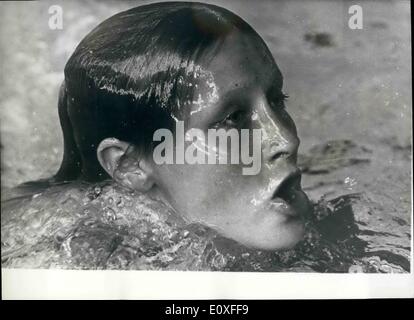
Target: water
x=100, y=226
x=341, y=91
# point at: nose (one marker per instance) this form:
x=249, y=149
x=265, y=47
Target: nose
x=279, y=137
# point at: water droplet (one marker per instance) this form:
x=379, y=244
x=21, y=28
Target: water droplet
x=128, y=201
x=350, y=182
x=97, y=191
x=110, y=214
x=120, y=203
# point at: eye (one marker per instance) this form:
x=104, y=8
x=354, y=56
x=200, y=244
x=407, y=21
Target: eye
x=277, y=100
x=235, y=119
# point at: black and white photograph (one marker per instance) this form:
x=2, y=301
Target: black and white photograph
x=223, y=137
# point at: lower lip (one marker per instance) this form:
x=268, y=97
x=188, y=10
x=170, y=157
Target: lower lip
x=282, y=207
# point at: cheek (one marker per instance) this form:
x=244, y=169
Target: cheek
x=213, y=187
x=191, y=189
x=207, y=190
x=216, y=196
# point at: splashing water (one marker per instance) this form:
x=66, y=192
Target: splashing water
x=85, y=226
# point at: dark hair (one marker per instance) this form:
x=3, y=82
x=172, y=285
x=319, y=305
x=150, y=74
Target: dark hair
x=128, y=77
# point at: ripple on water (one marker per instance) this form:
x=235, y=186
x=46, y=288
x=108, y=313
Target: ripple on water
x=100, y=226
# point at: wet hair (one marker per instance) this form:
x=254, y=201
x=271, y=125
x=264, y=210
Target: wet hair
x=129, y=76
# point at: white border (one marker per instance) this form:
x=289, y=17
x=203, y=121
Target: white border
x=69, y=284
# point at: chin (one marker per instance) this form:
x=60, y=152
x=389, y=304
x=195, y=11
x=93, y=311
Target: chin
x=283, y=236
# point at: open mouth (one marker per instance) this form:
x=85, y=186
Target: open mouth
x=288, y=188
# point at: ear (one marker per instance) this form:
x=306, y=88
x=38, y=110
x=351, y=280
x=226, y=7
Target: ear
x=128, y=168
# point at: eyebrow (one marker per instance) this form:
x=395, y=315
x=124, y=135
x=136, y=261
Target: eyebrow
x=239, y=90
x=224, y=102
x=275, y=85
x=274, y=90
x=276, y=94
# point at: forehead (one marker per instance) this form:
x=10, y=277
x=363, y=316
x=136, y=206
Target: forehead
x=243, y=64
x=244, y=61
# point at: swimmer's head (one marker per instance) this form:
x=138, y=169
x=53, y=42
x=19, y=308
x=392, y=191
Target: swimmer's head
x=151, y=66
